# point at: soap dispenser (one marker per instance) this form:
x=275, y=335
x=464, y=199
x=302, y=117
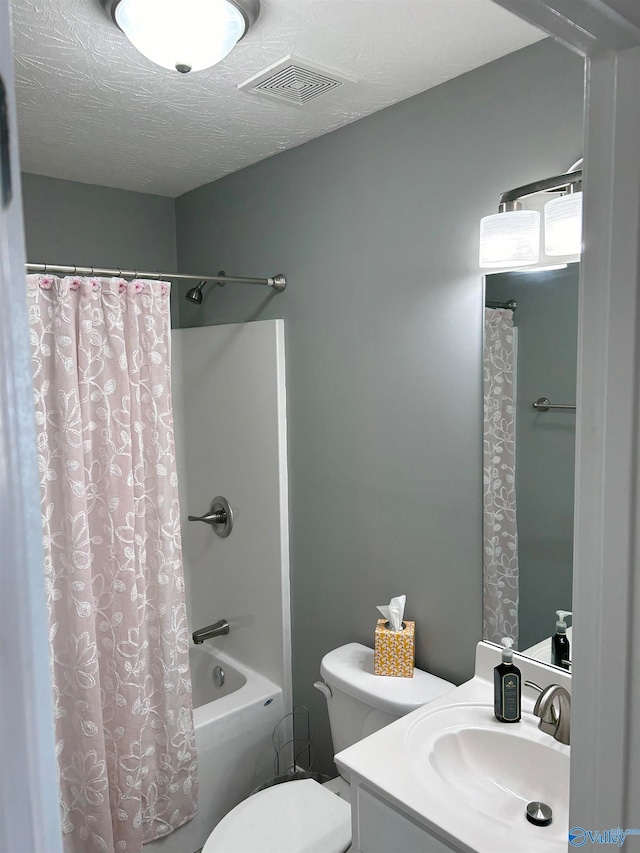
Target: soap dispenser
x=560, y=648
x=507, y=686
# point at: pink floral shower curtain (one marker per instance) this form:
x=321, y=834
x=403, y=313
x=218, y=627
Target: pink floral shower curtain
x=118, y=629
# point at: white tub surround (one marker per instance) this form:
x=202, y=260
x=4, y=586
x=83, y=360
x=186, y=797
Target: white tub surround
x=408, y=798
x=233, y=737
x=231, y=440
x=230, y=413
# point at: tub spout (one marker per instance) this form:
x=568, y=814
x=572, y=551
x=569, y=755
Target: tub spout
x=215, y=630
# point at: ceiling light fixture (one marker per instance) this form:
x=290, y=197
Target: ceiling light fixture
x=184, y=35
x=511, y=237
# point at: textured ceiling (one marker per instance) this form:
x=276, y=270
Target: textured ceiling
x=92, y=109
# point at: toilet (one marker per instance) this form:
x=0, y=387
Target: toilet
x=305, y=816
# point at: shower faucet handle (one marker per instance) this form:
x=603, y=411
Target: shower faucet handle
x=220, y=517
x=217, y=517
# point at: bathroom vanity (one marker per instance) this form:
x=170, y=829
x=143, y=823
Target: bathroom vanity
x=380, y=825
x=450, y=777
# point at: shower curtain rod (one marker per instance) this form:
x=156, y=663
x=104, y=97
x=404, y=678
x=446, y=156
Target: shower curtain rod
x=278, y=282
x=511, y=304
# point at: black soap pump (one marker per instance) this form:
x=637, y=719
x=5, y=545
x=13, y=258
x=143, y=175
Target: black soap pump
x=560, y=648
x=507, y=686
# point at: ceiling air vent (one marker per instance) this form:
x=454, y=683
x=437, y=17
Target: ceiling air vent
x=295, y=80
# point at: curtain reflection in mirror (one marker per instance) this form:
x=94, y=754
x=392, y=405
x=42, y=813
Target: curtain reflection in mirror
x=500, y=531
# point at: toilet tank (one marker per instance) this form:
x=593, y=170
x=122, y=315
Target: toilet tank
x=361, y=703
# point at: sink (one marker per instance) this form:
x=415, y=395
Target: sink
x=500, y=773
x=475, y=768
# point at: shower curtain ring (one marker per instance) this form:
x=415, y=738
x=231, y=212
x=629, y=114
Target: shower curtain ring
x=45, y=269
x=75, y=269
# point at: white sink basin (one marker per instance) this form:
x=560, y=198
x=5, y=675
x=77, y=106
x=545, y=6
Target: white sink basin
x=477, y=769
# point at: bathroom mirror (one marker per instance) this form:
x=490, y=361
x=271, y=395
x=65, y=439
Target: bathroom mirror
x=530, y=354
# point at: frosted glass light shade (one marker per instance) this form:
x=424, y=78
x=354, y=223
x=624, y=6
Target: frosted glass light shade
x=563, y=225
x=510, y=239
x=181, y=34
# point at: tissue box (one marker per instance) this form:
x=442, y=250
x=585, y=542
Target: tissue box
x=394, y=651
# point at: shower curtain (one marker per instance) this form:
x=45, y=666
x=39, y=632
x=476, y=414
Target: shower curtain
x=500, y=532
x=111, y=524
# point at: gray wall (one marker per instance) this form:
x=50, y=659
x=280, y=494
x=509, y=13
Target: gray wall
x=376, y=227
x=547, y=321
x=71, y=223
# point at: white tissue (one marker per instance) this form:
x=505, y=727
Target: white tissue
x=394, y=611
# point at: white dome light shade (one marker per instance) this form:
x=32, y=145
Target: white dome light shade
x=183, y=35
x=510, y=239
x=563, y=225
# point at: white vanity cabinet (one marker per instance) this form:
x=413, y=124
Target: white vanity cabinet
x=378, y=826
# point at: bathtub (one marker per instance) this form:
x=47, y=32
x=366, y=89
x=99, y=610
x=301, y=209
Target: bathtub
x=233, y=725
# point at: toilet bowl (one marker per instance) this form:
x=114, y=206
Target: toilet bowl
x=295, y=817
x=305, y=816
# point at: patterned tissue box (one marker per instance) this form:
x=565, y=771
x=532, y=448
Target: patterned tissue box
x=394, y=651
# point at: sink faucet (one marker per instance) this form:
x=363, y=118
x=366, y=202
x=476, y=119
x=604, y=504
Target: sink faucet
x=215, y=630
x=552, y=722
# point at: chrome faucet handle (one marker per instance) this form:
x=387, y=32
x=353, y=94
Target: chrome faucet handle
x=552, y=722
x=220, y=517
x=217, y=517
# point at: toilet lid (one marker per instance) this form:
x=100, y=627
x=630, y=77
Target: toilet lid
x=295, y=817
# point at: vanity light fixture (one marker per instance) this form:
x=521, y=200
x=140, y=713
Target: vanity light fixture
x=184, y=35
x=511, y=237
x=563, y=223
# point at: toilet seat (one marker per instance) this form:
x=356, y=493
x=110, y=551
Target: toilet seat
x=295, y=817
